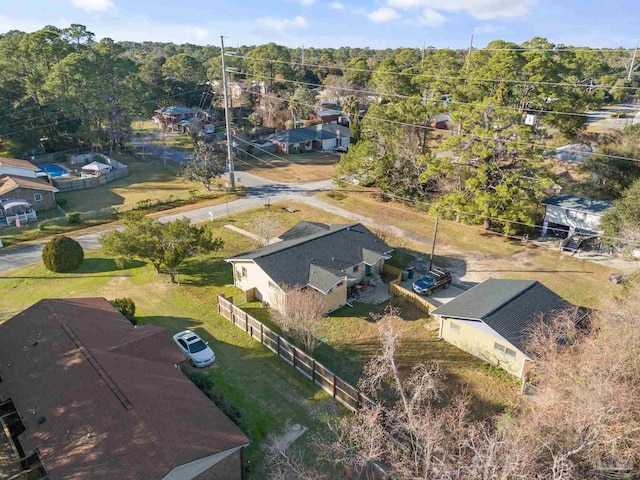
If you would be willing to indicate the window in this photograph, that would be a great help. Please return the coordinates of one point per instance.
(243, 272)
(37, 197)
(504, 350)
(182, 343)
(339, 284)
(355, 269)
(454, 327)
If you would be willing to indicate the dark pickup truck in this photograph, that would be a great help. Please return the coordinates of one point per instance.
(433, 281)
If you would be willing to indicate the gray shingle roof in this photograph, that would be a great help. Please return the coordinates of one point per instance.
(580, 204)
(291, 262)
(509, 307)
(323, 131)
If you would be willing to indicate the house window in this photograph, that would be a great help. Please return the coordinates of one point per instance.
(243, 272)
(339, 284)
(355, 269)
(37, 197)
(504, 350)
(454, 327)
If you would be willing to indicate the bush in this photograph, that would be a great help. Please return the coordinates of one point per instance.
(73, 217)
(126, 307)
(205, 383)
(62, 254)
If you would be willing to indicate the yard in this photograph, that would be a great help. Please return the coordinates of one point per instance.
(298, 167)
(474, 254)
(145, 182)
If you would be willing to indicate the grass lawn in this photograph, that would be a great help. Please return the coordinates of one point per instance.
(299, 167)
(268, 393)
(353, 339)
(476, 254)
(145, 181)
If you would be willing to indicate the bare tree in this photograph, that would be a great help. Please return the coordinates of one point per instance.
(266, 228)
(299, 311)
(285, 463)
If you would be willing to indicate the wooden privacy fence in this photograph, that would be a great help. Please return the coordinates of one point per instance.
(91, 182)
(345, 393)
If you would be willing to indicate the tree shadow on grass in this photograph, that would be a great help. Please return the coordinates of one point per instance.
(96, 265)
(172, 324)
(206, 271)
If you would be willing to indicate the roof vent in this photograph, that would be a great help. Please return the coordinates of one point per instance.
(41, 420)
(35, 343)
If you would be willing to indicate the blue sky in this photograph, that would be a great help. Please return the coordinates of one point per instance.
(334, 23)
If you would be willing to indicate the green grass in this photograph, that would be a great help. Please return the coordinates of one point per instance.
(266, 391)
(481, 254)
(352, 335)
(145, 181)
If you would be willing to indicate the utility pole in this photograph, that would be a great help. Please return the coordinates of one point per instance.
(466, 61)
(302, 54)
(422, 52)
(232, 178)
(433, 245)
(633, 61)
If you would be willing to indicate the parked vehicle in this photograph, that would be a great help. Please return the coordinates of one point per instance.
(433, 281)
(196, 349)
(340, 150)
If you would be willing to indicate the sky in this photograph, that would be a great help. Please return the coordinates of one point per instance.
(336, 23)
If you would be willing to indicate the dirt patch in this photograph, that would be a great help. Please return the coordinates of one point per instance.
(309, 167)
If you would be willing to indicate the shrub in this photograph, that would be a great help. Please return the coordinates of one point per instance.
(336, 195)
(62, 254)
(73, 217)
(126, 307)
(205, 383)
(42, 227)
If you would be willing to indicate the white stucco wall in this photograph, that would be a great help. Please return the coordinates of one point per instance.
(573, 218)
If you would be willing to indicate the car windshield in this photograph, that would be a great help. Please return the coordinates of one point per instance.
(197, 346)
(426, 279)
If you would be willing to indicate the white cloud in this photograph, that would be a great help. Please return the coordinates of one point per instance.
(431, 17)
(306, 3)
(93, 5)
(281, 24)
(480, 9)
(382, 15)
(336, 6)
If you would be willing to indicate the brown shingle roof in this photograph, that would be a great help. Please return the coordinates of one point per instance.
(115, 404)
(9, 183)
(14, 162)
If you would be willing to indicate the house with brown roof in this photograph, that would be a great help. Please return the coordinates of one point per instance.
(14, 166)
(39, 193)
(85, 394)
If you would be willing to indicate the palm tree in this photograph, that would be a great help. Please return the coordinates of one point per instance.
(295, 108)
(351, 107)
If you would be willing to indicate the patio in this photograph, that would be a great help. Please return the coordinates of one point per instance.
(16, 210)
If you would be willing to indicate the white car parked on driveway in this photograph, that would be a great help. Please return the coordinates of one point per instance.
(194, 348)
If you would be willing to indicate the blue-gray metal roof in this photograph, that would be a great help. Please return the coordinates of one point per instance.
(580, 204)
(291, 262)
(510, 307)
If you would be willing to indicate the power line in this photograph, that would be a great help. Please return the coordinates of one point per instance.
(447, 77)
(464, 134)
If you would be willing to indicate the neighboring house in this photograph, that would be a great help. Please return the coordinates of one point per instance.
(492, 320)
(326, 115)
(169, 116)
(440, 121)
(13, 166)
(85, 394)
(322, 137)
(327, 258)
(38, 193)
(573, 213)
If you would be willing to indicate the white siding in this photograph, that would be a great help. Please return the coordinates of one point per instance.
(573, 218)
(19, 171)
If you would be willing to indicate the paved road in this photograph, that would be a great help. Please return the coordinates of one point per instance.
(259, 192)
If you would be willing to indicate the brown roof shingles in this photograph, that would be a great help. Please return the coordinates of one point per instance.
(11, 182)
(89, 432)
(14, 162)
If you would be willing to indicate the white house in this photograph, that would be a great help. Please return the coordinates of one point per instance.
(21, 168)
(572, 213)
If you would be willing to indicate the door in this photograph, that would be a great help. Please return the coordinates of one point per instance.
(367, 269)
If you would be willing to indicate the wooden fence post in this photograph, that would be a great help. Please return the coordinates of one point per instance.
(294, 356)
(313, 370)
(278, 345)
(246, 322)
(334, 385)
(261, 333)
